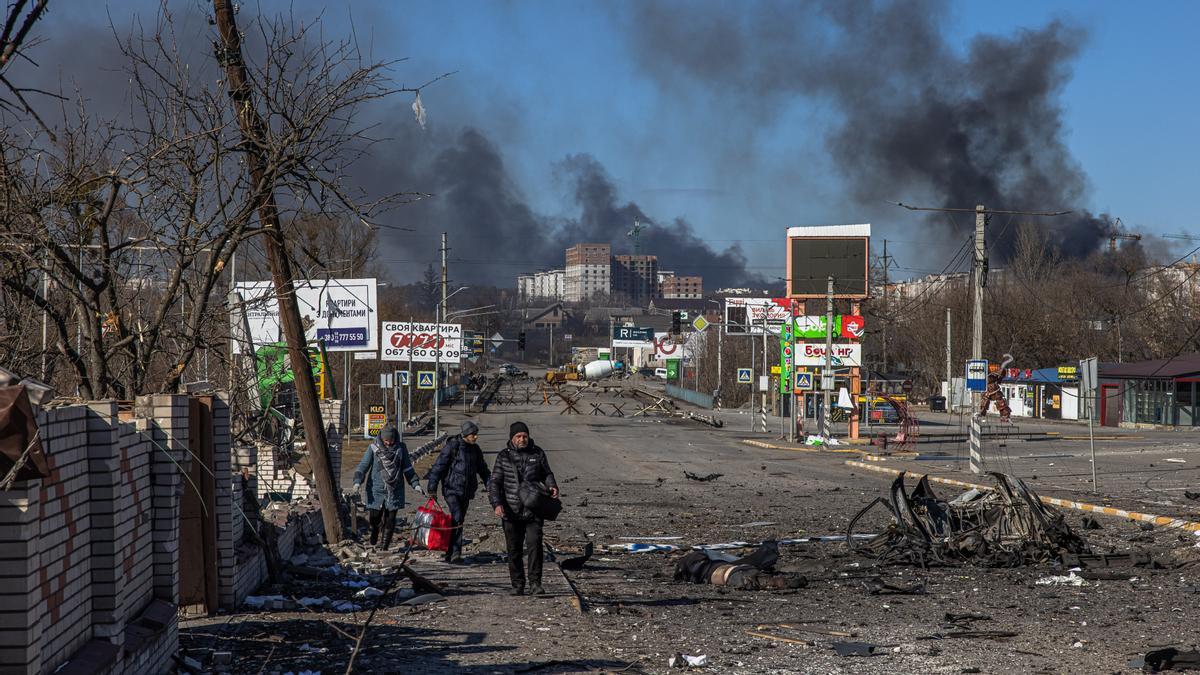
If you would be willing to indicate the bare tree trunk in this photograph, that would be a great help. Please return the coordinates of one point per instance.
(251, 124)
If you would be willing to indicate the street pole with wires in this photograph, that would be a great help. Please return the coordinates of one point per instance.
(949, 371)
(827, 373)
(978, 281)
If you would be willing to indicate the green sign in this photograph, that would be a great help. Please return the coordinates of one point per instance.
(672, 369)
(785, 358)
(814, 326)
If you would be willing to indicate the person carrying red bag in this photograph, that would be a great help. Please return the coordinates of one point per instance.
(459, 469)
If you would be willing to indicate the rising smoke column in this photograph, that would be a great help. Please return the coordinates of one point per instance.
(915, 120)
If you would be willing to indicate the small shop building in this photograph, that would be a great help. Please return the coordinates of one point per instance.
(1161, 392)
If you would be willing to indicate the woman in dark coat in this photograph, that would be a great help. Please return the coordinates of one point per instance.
(520, 461)
(458, 468)
(382, 466)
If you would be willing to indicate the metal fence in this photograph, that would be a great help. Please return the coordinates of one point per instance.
(693, 397)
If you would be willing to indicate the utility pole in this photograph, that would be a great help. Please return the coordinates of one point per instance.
(978, 281)
(437, 359)
(887, 317)
(979, 268)
(949, 381)
(827, 375)
(229, 56)
(765, 371)
(793, 430)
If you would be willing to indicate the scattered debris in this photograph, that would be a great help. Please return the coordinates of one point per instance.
(845, 649)
(640, 548)
(1090, 523)
(424, 599)
(754, 572)
(758, 523)
(877, 586)
(369, 592)
(309, 649)
(1004, 527)
(1169, 658)
(576, 562)
(688, 661)
(1071, 579)
(1175, 460)
(972, 634)
(1191, 495)
(702, 479)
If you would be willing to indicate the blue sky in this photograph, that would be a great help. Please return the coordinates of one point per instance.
(544, 80)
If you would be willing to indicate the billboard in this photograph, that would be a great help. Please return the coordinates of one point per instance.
(816, 253)
(814, 355)
(427, 342)
(628, 336)
(342, 312)
(746, 316)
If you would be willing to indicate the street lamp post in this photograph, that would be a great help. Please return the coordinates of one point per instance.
(439, 310)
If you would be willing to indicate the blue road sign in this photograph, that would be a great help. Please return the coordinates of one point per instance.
(744, 376)
(977, 374)
(804, 381)
(425, 379)
(402, 377)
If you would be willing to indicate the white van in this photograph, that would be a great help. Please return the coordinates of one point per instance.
(660, 373)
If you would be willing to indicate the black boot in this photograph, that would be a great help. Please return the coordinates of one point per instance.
(517, 590)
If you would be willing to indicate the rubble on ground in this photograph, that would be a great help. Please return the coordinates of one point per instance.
(1004, 527)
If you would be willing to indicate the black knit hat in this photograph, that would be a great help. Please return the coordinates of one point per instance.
(389, 434)
(516, 428)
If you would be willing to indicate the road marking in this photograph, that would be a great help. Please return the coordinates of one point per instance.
(1163, 521)
(802, 448)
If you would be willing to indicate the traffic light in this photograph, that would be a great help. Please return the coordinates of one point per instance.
(521, 341)
(675, 321)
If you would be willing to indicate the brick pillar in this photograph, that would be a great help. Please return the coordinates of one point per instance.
(170, 417)
(22, 615)
(227, 511)
(107, 549)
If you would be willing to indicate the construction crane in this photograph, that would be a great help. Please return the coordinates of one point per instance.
(1116, 234)
(636, 235)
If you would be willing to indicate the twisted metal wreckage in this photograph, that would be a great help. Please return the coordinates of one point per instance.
(1007, 526)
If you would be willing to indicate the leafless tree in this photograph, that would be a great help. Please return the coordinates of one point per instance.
(123, 231)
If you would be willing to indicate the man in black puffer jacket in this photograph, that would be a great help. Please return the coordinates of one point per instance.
(521, 461)
(459, 468)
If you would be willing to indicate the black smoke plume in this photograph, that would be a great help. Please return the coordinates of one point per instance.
(915, 120)
(493, 232)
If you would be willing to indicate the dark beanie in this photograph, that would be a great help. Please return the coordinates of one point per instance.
(469, 428)
(516, 428)
(389, 434)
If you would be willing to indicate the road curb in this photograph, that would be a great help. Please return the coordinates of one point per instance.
(1163, 521)
(822, 449)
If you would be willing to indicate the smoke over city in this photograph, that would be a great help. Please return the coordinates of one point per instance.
(914, 120)
(494, 233)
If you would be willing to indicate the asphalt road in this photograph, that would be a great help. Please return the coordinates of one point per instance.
(624, 477)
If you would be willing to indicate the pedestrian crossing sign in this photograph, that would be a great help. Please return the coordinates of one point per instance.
(402, 377)
(425, 379)
(804, 381)
(744, 376)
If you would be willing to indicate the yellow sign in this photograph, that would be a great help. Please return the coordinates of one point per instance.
(373, 424)
(776, 370)
(700, 323)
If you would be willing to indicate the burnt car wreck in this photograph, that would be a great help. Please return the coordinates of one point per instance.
(1007, 526)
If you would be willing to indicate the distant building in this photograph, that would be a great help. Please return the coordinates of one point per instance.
(635, 277)
(544, 317)
(588, 271)
(682, 288)
(545, 285)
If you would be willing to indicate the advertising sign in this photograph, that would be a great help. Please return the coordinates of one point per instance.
(427, 342)
(815, 253)
(814, 355)
(745, 316)
(629, 336)
(853, 327)
(1068, 373)
(342, 312)
(664, 348)
(373, 424)
(977, 370)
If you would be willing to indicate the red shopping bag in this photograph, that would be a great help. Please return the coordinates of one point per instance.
(433, 526)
